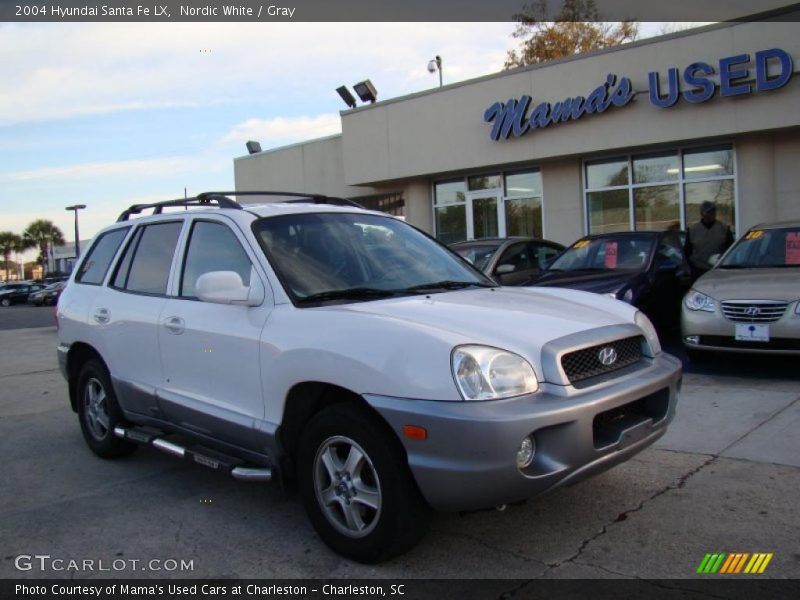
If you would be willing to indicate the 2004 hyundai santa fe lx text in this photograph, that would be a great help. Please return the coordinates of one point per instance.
(315, 340)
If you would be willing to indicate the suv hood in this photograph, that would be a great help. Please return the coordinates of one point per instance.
(751, 284)
(518, 319)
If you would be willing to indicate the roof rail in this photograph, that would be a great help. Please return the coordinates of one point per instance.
(296, 197)
(218, 200)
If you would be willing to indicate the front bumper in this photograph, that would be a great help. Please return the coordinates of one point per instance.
(718, 334)
(468, 460)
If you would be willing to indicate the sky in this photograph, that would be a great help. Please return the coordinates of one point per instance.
(110, 115)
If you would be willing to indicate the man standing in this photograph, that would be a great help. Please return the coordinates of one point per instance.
(706, 238)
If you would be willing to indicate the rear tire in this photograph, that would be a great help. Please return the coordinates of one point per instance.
(5, 302)
(99, 412)
(356, 486)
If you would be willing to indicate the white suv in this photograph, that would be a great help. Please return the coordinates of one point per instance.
(315, 340)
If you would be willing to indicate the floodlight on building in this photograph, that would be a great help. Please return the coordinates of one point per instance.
(345, 95)
(366, 91)
(434, 65)
(253, 147)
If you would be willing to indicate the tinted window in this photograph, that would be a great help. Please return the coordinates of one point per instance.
(478, 254)
(148, 259)
(95, 265)
(212, 247)
(544, 254)
(605, 253)
(517, 255)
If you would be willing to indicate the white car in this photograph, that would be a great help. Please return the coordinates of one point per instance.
(343, 347)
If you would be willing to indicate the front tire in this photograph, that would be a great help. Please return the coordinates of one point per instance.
(99, 412)
(356, 486)
(5, 302)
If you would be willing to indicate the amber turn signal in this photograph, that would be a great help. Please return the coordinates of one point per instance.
(415, 433)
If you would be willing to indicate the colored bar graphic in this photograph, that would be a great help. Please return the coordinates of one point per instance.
(703, 563)
(741, 562)
(765, 563)
(727, 564)
(718, 562)
(734, 563)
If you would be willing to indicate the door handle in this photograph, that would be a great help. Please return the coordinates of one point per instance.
(175, 325)
(102, 315)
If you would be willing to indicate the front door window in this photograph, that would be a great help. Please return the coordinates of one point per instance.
(485, 217)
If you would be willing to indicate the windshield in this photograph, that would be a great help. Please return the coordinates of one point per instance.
(765, 248)
(606, 254)
(350, 256)
(478, 254)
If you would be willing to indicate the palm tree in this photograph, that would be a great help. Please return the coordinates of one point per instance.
(22, 245)
(8, 243)
(43, 234)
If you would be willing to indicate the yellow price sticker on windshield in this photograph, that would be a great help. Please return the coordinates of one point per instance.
(580, 244)
(755, 234)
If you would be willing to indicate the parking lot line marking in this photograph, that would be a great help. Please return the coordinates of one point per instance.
(727, 564)
(740, 564)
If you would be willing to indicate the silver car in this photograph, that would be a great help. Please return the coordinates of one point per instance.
(750, 301)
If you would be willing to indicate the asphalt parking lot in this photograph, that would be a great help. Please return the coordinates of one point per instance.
(724, 479)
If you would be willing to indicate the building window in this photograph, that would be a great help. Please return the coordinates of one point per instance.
(659, 191)
(523, 204)
(391, 203)
(450, 207)
(489, 205)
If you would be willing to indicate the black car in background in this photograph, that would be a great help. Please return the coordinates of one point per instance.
(644, 268)
(14, 293)
(509, 261)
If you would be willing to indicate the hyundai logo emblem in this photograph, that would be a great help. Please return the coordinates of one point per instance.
(752, 311)
(607, 356)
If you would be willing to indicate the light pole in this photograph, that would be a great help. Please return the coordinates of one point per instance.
(75, 208)
(436, 65)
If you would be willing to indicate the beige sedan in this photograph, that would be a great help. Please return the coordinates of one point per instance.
(750, 301)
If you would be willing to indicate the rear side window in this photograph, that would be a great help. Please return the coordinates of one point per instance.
(147, 261)
(95, 266)
(212, 247)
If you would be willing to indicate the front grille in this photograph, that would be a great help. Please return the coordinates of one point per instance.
(586, 363)
(754, 311)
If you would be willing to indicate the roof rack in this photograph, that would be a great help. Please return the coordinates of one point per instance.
(296, 197)
(218, 200)
(223, 200)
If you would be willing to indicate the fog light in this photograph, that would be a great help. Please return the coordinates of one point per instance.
(525, 453)
(692, 339)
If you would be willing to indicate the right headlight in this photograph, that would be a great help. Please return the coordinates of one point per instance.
(695, 300)
(486, 373)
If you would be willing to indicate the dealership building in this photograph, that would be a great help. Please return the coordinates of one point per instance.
(630, 138)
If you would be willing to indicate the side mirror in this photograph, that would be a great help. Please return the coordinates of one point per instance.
(226, 287)
(505, 269)
(714, 259)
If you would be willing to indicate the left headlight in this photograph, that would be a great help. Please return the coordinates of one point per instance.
(649, 332)
(486, 373)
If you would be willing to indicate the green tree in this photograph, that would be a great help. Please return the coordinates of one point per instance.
(9, 242)
(575, 30)
(43, 234)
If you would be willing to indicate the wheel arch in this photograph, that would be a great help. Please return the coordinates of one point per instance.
(79, 354)
(305, 400)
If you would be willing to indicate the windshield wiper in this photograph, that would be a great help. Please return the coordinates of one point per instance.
(357, 293)
(444, 285)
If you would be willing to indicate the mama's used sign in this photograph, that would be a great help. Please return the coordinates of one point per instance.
(520, 116)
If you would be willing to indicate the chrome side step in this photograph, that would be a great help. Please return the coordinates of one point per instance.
(203, 456)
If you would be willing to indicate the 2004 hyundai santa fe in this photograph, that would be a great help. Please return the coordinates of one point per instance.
(315, 340)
